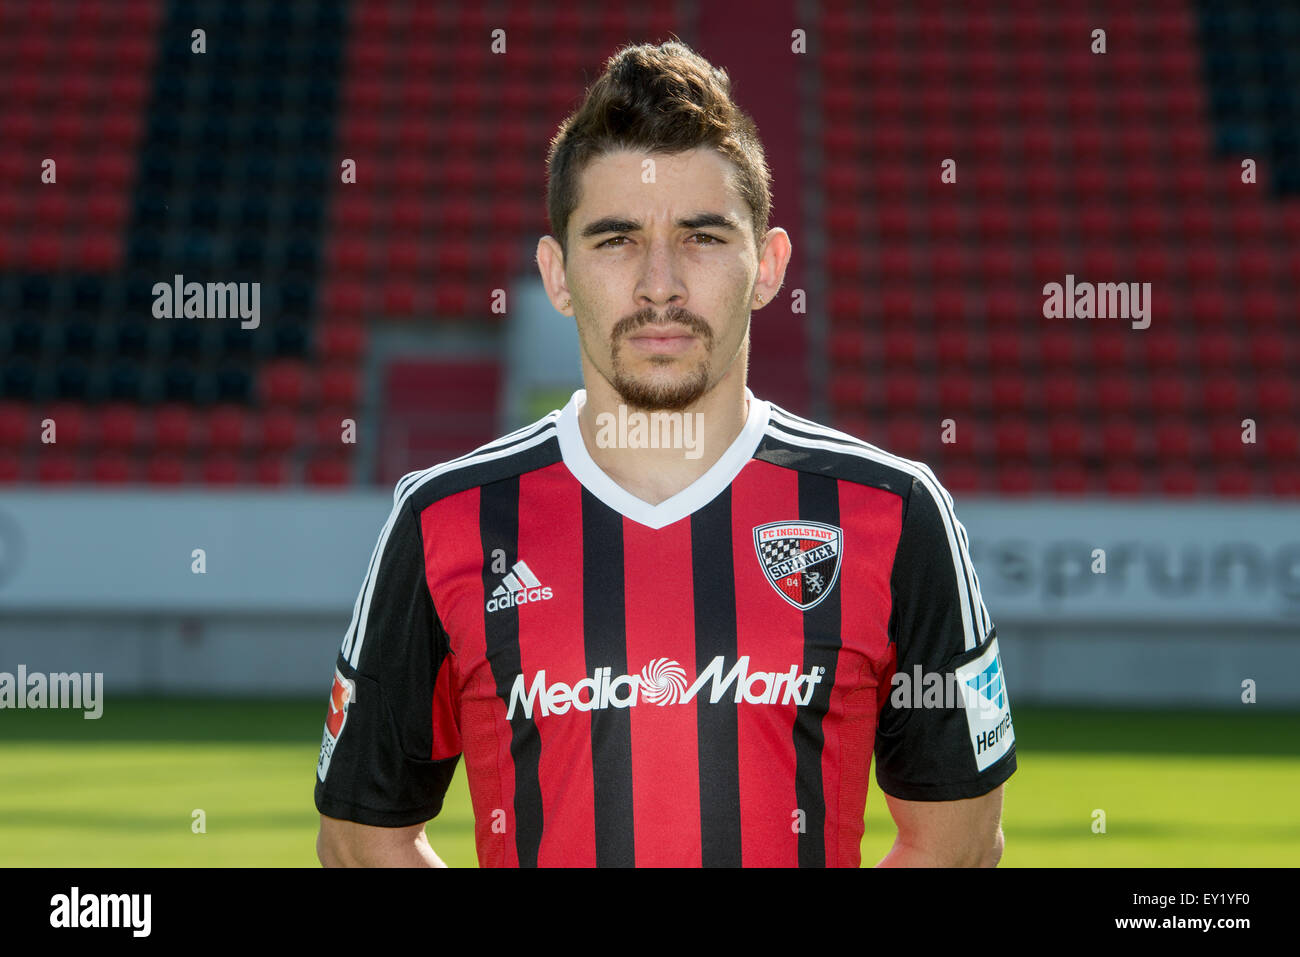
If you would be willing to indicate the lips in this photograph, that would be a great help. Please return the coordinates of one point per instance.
(663, 340)
(663, 332)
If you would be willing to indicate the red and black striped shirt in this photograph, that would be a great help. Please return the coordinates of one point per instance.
(698, 682)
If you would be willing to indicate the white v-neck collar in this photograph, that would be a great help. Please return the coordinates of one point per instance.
(695, 496)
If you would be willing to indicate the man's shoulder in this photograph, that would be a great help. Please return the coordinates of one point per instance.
(795, 442)
(532, 447)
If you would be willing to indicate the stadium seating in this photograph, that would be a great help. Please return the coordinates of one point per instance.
(1120, 168)
(226, 167)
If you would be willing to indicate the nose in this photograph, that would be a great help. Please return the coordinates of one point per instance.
(660, 284)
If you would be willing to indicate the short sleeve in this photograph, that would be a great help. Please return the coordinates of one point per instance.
(944, 731)
(392, 737)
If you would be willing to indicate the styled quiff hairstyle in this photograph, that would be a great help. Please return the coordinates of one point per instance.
(657, 99)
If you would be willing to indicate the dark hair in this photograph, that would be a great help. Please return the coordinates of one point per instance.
(659, 99)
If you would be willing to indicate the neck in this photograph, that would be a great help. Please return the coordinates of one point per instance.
(654, 455)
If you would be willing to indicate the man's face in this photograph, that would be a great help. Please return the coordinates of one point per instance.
(661, 274)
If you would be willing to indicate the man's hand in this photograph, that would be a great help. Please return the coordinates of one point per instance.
(965, 833)
(348, 844)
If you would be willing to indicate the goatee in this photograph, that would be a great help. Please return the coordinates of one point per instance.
(660, 396)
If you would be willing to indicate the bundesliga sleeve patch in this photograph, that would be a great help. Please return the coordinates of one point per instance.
(988, 711)
(342, 695)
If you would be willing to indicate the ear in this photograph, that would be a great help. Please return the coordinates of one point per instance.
(550, 263)
(773, 258)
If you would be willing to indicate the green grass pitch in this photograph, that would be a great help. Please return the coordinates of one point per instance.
(1177, 788)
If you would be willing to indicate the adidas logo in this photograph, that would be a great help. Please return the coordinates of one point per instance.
(519, 587)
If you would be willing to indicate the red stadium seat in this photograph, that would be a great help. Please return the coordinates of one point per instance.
(222, 470)
(227, 428)
(1175, 440)
(1205, 261)
(1120, 440)
(1226, 441)
(849, 347)
(1013, 440)
(1059, 348)
(910, 436)
(1284, 481)
(1065, 440)
(1163, 351)
(285, 382)
(1069, 479)
(70, 424)
(1179, 479)
(120, 426)
(1011, 392)
(1121, 478)
(342, 341)
(340, 385)
(949, 307)
(18, 424)
(957, 393)
(352, 255)
(902, 391)
(272, 470)
(277, 430)
(345, 299)
(903, 347)
(174, 427)
(331, 471)
(1281, 440)
(1115, 393)
(1006, 349)
(848, 391)
(1062, 392)
(1234, 481)
(165, 469)
(1015, 478)
(56, 467)
(329, 428)
(953, 349)
(1169, 393)
(1216, 350)
(960, 477)
(1276, 394)
(113, 468)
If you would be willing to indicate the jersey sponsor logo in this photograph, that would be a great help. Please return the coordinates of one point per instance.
(342, 695)
(520, 587)
(988, 710)
(662, 682)
(800, 559)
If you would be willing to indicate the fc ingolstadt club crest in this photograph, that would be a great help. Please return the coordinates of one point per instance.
(800, 559)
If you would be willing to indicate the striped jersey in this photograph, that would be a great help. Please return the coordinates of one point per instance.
(701, 682)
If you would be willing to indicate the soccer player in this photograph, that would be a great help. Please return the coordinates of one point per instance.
(662, 625)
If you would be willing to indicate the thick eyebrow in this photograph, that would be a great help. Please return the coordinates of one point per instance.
(617, 224)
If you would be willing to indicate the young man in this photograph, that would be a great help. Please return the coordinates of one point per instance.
(662, 625)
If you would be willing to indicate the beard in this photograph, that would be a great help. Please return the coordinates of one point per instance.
(652, 393)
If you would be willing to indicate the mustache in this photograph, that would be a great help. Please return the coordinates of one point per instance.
(673, 314)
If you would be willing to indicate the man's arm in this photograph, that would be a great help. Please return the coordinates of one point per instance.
(966, 833)
(384, 765)
(348, 844)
